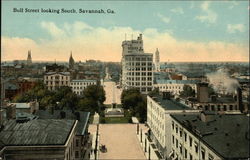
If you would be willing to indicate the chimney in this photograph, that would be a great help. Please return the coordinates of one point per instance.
(239, 99)
(202, 92)
(11, 111)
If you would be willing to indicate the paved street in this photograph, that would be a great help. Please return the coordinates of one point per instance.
(120, 140)
(113, 94)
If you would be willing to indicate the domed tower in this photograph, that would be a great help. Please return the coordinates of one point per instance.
(71, 61)
(29, 60)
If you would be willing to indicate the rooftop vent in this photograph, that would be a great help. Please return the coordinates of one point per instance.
(226, 134)
(215, 129)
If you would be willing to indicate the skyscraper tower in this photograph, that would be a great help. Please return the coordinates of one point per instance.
(137, 66)
(29, 60)
(157, 60)
(71, 61)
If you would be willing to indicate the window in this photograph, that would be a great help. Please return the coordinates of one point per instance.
(212, 107)
(77, 143)
(196, 147)
(190, 157)
(176, 143)
(172, 125)
(173, 139)
(76, 154)
(180, 133)
(231, 107)
(185, 136)
(210, 157)
(176, 129)
(185, 153)
(202, 153)
(190, 141)
(224, 107)
(180, 148)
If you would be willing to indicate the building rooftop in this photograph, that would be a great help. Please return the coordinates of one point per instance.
(169, 104)
(63, 73)
(83, 80)
(82, 120)
(168, 81)
(36, 132)
(228, 135)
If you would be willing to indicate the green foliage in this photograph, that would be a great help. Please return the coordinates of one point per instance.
(133, 100)
(63, 97)
(95, 92)
(187, 91)
(93, 98)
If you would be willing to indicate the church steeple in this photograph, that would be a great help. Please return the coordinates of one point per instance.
(71, 61)
(29, 59)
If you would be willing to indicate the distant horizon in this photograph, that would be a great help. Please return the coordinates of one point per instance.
(120, 61)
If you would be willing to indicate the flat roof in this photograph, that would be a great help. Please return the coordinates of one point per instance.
(168, 81)
(228, 135)
(169, 104)
(83, 80)
(82, 122)
(36, 132)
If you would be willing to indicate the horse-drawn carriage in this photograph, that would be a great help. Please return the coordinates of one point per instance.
(103, 148)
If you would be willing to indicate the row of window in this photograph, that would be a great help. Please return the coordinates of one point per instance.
(139, 84)
(138, 59)
(82, 83)
(56, 83)
(139, 78)
(139, 73)
(57, 77)
(181, 133)
(138, 64)
(220, 107)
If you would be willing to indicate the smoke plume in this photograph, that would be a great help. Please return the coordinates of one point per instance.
(222, 82)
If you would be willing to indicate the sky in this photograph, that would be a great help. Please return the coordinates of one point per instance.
(196, 31)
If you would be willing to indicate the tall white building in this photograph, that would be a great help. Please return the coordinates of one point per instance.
(137, 66)
(157, 60)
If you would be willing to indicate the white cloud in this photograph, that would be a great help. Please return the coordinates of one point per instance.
(233, 28)
(88, 42)
(164, 18)
(177, 10)
(52, 29)
(208, 15)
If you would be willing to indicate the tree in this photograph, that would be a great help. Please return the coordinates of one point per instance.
(95, 92)
(187, 91)
(133, 100)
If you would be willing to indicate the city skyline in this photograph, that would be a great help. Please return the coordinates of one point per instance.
(182, 31)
